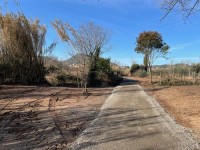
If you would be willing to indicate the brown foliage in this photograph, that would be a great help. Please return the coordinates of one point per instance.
(22, 48)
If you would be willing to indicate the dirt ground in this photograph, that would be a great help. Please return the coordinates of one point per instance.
(46, 117)
(181, 102)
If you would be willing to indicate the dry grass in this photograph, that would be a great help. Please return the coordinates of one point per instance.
(181, 102)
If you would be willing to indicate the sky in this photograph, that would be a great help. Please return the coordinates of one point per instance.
(125, 19)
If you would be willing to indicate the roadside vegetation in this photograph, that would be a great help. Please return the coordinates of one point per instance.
(175, 86)
(22, 49)
(151, 44)
(25, 57)
(181, 74)
(43, 99)
(53, 114)
(181, 102)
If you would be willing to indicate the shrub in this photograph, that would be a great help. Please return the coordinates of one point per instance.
(51, 69)
(134, 68)
(175, 82)
(103, 69)
(52, 80)
(23, 48)
(99, 72)
(196, 68)
(115, 80)
(65, 78)
(62, 77)
(142, 73)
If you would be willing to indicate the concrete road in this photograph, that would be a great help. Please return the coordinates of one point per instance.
(132, 120)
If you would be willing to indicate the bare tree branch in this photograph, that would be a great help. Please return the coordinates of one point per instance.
(187, 7)
(83, 43)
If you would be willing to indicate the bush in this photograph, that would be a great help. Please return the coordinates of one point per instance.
(62, 79)
(134, 68)
(52, 80)
(142, 73)
(196, 68)
(22, 49)
(175, 82)
(51, 69)
(99, 71)
(115, 80)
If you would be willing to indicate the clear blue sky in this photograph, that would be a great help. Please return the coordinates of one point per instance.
(126, 19)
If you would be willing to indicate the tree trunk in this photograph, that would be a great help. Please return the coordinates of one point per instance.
(85, 88)
(150, 71)
(146, 62)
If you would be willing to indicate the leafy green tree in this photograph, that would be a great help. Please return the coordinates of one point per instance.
(134, 68)
(104, 69)
(93, 67)
(152, 46)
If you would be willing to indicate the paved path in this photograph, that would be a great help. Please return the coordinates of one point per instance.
(132, 120)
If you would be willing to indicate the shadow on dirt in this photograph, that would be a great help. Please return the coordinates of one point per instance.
(44, 118)
(50, 128)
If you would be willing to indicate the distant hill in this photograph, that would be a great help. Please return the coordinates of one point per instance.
(75, 60)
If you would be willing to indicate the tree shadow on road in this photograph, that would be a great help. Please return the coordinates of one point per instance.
(118, 124)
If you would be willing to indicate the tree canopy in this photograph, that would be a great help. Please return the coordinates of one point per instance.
(150, 41)
(151, 44)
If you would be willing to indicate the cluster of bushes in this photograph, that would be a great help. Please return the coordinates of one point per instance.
(115, 79)
(138, 70)
(62, 79)
(196, 68)
(102, 72)
(100, 75)
(99, 71)
(175, 82)
(23, 55)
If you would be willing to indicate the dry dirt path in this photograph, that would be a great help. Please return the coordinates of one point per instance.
(46, 118)
(131, 119)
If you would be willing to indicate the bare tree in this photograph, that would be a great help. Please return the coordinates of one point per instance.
(187, 7)
(88, 42)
